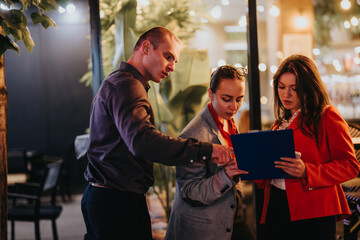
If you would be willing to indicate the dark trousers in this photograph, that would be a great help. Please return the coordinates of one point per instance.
(278, 225)
(111, 214)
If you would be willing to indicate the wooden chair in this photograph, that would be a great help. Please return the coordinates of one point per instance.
(352, 193)
(28, 201)
(355, 133)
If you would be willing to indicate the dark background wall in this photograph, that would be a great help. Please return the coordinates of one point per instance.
(47, 106)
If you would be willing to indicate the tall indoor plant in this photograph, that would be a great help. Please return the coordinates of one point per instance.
(13, 28)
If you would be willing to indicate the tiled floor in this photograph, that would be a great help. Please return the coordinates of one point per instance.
(71, 226)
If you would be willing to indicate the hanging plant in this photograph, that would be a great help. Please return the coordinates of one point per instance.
(329, 14)
(14, 21)
(181, 16)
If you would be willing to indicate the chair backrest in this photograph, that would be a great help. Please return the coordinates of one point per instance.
(355, 132)
(16, 161)
(52, 175)
(46, 171)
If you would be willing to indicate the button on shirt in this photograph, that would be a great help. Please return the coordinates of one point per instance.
(123, 140)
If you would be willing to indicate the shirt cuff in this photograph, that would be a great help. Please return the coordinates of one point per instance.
(205, 151)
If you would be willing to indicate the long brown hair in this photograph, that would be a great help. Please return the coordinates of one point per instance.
(310, 90)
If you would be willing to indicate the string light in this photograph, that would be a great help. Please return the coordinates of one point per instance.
(221, 62)
(345, 4)
(216, 12)
(262, 9)
(347, 24)
(274, 11)
(225, 2)
(262, 67)
(316, 51)
(143, 3)
(70, 8)
(273, 68)
(62, 10)
(301, 22)
(242, 21)
(263, 100)
(354, 21)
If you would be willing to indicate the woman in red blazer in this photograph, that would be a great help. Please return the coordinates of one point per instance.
(307, 206)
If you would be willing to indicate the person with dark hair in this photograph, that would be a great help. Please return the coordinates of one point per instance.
(308, 205)
(208, 198)
(124, 143)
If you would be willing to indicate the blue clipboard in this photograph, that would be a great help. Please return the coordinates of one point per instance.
(256, 152)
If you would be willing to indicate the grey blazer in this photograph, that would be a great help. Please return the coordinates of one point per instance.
(204, 204)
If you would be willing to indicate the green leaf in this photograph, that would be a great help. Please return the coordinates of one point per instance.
(161, 112)
(124, 36)
(192, 69)
(6, 43)
(13, 18)
(16, 34)
(43, 19)
(36, 17)
(27, 3)
(26, 38)
(186, 104)
(47, 5)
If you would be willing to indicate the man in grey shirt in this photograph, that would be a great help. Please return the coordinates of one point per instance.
(124, 143)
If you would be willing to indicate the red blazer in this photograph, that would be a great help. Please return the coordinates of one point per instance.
(334, 162)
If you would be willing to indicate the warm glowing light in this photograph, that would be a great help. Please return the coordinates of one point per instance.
(316, 51)
(345, 4)
(221, 62)
(347, 24)
(216, 12)
(203, 20)
(171, 10)
(301, 22)
(354, 21)
(337, 65)
(273, 68)
(143, 3)
(102, 14)
(357, 60)
(238, 65)
(4, 7)
(260, 8)
(274, 11)
(70, 8)
(62, 10)
(242, 21)
(225, 2)
(262, 67)
(264, 100)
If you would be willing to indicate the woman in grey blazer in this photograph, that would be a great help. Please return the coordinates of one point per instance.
(207, 202)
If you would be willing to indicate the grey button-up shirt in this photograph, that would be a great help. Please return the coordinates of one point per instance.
(123, 140)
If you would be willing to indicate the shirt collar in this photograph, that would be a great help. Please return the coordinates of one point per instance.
(218, 123)
(136, 73)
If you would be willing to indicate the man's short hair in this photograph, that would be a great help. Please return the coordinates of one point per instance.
(155, 36)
